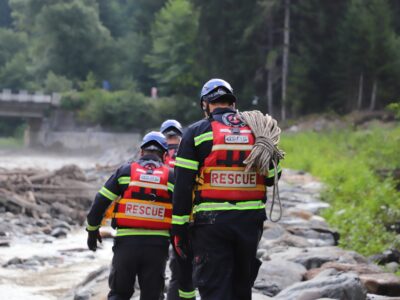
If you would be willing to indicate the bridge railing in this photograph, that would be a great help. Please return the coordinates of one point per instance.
(24, 96)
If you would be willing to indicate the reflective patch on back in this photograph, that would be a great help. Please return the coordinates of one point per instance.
(148, 211)
(233, 179)
(150, 178)
(236, 139)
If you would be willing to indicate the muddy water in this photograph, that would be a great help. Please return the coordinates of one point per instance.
(70, 264)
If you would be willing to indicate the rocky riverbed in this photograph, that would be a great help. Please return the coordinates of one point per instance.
(300, 257)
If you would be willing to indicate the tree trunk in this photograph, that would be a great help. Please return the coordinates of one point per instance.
(285, 64)
(360, 92)
(373, 95)
(270, 24)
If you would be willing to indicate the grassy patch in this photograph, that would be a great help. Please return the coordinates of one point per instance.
(11, 142)
(362, 204)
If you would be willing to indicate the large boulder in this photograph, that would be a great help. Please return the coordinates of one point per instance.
(315, 257)
(346, 286)
(277, 275)
(343, 267)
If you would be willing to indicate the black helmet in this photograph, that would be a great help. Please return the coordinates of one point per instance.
(217, 89)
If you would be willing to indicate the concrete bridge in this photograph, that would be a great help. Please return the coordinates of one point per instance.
(31, 107)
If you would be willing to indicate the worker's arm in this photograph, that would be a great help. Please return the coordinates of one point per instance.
(112, 189)
(186, 168)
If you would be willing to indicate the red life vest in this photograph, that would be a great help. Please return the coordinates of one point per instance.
(223, 173)
(146, 202)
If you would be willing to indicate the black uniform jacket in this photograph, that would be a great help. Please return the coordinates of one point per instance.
(115, 188)
(193, 150)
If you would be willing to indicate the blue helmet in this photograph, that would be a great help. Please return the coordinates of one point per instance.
(154, 140)
(171, 127)
(217, 89)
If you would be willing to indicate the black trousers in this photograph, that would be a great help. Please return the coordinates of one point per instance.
(147, 262)
(181, 277)
(225, 264)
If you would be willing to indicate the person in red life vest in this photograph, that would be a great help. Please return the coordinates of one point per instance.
(229, 204)
(181, 284)
(142, 191)
(172, 130)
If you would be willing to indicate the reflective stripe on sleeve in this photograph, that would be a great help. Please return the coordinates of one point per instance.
(246, 205)
(137, 231)
(92, 228)
(208, 136)
(187, 295)
(271, 172)
(180, 220)
(186, 163)
(124, 180)
(171, 187)
(108, 194)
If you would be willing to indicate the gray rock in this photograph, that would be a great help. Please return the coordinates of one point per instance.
(276, 275)
(62, 224)
(288, 240)
(273, 231)
(341, 286)
(59, 232)
(392, 267)
(315, 257)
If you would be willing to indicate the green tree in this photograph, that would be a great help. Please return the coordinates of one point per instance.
(368, 51)
(5, 14)
(72, 41)
(172, 56)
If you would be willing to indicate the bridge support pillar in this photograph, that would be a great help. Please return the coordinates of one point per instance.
(31, 135)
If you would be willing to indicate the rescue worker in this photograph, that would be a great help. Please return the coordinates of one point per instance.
(181, 284)
(229, 204)
(172, 130)
(143, 193)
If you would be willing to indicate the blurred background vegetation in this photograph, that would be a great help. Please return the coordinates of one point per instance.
(339, 56)
(343, 54)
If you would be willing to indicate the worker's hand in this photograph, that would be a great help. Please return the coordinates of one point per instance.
(93, 237)
(181, 246)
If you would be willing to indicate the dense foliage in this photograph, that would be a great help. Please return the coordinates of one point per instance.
(343, 53)
(364, 205)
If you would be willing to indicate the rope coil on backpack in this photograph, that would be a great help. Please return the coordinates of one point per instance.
(265, 150)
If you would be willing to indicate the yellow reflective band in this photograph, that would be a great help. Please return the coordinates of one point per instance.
(124, 180)
(136, 231)
(207, 186)
(180, 220)
(92, 228)
(187, 295)
(186, 163)
(271, 173)
(108, 194)
(124, 216)
(211, 206)
(208, 136)
(232, 147)
(171, 186)
(149, 185)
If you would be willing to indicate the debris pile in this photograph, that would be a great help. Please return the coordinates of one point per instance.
(48, 200)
